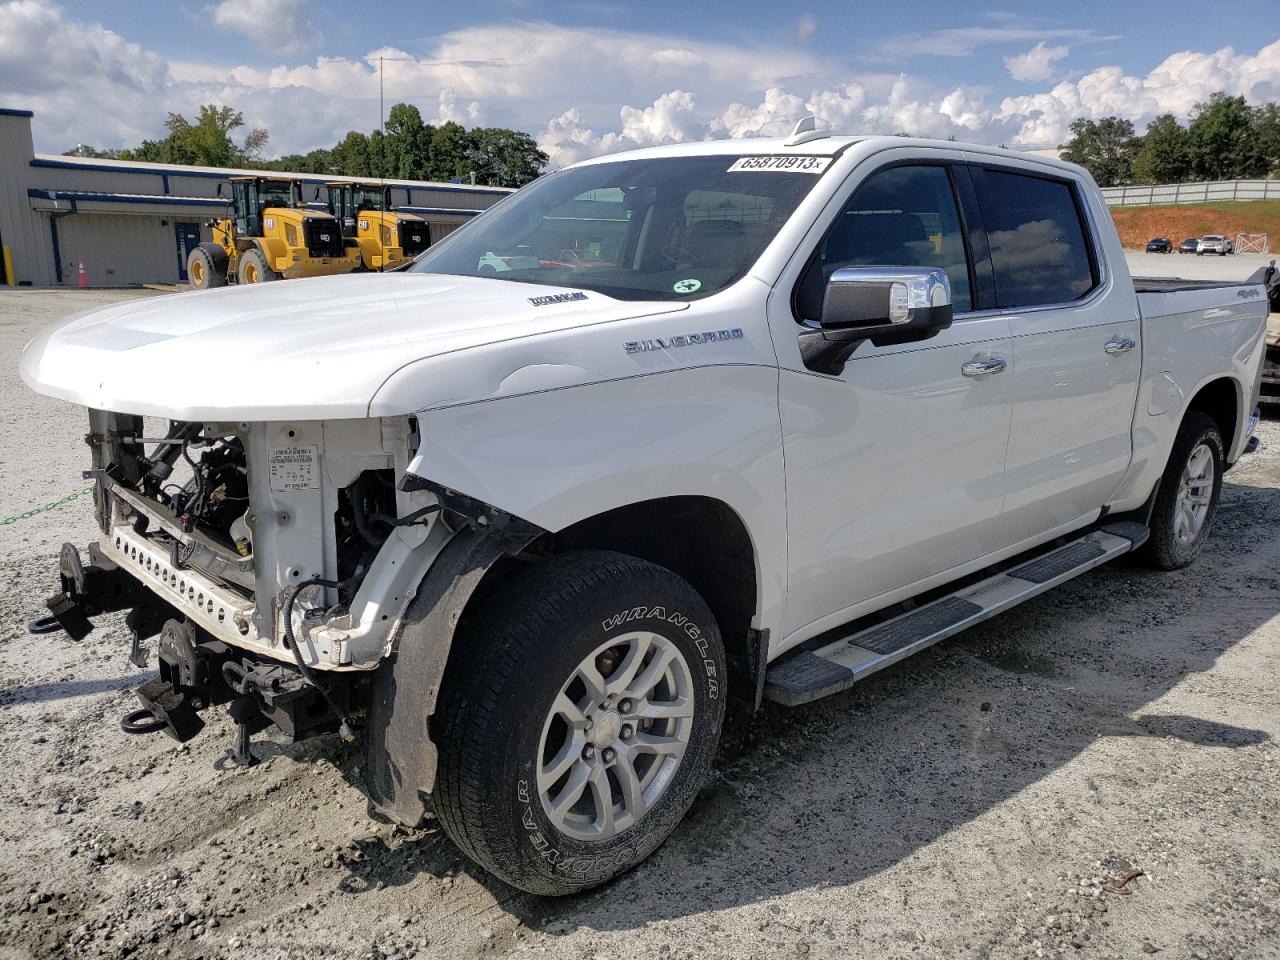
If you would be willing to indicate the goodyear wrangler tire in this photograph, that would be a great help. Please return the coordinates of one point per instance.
(577, 721)
(1188, 495)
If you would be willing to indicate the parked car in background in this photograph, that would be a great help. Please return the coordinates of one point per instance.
(1189, 245)
(1159, 245)
(1214, 243)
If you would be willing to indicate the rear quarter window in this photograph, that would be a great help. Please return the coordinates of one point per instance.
(1040, 251)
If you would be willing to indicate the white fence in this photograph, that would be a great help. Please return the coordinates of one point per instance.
(1207, 192)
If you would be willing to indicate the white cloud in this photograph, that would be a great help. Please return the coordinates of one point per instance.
(282, 25)
(450, 110)
(1174, 86)
(840, 107)
(773, 116)
(965, 41)
(668, 120)
(566, 139)
(88, 83)
(1036, 64)
(805, 27)
(583, 90)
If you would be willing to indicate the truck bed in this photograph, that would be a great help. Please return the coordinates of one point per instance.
(1178, 284)
(1165, 296)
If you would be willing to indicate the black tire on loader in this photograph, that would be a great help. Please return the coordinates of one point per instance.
(253, 268)
(207, 267)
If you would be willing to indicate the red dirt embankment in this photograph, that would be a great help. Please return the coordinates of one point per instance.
(1137, 225)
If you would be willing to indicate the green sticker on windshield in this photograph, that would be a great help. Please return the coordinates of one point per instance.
(687, 286)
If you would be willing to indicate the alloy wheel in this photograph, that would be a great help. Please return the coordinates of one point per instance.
(615, 736)
(1195, 491)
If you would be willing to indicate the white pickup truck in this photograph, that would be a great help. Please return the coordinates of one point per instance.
(810, 405)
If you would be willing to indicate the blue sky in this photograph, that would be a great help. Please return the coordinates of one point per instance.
(589, 77)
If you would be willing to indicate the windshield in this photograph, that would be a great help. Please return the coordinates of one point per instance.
(667, 229)
(275, 193)
(368, 198)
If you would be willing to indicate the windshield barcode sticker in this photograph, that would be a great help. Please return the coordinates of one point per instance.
(780, 164)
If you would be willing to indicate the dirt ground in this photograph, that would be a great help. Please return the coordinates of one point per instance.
(1137, 225)
(987, 798)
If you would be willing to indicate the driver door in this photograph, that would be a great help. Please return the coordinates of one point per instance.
(895, 467)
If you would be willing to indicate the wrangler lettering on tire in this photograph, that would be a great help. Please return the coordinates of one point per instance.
(575, 732)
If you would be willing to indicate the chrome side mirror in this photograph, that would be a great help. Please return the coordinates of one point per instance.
(885, 305)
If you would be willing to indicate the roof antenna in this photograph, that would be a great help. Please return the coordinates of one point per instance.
(805, 130)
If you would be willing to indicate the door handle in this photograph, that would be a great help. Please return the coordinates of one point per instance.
(981, 368)
(1119, 345)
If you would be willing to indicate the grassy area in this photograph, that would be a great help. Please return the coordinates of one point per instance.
(1137, 225)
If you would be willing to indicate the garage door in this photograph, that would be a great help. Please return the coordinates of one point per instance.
(118, 251)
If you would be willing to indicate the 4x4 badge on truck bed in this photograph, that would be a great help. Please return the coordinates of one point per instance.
(687, 340)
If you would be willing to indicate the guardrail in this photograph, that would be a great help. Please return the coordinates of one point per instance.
(1211, 191)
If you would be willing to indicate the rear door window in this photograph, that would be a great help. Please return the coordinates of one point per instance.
(1040, 251)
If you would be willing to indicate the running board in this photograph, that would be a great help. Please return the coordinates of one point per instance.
(811, 675)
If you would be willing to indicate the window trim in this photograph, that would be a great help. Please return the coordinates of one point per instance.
(1097, 273)
(950, 167)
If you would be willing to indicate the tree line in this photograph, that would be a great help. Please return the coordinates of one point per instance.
(409, 149)
(1224, 139)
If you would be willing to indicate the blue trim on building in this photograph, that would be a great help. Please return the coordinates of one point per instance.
(122, 168)
(72, 164)
(40, 193)
(164, 178)
(57, 254)
(11, 112)
(440, 210)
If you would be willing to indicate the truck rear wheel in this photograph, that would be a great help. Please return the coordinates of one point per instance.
(205, 268)
(253, 268)
(578, 719)
(1188, 494)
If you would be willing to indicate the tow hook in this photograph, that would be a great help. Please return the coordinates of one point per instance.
(142, 721)
(189, 682)
(87, 591)
(169, 710)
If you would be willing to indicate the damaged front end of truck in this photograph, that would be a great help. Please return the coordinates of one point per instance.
(273, 567)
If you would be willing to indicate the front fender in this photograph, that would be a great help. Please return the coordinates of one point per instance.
(561, 456)
(400, 760)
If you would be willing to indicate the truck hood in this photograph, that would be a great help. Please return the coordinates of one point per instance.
(294, 349)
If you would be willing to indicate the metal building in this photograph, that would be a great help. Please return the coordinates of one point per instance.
(131, 223)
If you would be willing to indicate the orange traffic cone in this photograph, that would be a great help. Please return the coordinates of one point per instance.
(83, 279)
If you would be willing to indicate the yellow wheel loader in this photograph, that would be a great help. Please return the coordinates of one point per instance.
(269, 235)
(385, 237)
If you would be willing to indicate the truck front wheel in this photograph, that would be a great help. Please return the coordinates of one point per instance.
(1187, 497)
(577, 721)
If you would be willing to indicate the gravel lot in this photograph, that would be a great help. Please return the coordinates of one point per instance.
(1238, 266)
(987, 798)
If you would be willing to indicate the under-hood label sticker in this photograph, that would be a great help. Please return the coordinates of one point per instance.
(295, 468)
(793, 164)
